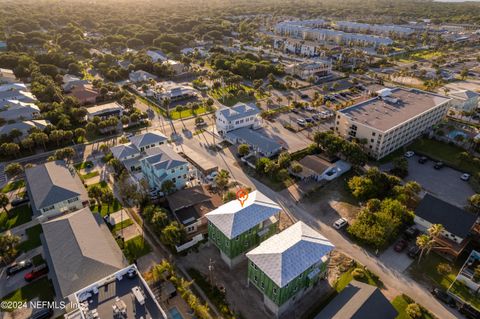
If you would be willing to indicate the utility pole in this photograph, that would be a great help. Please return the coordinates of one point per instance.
(210, 271)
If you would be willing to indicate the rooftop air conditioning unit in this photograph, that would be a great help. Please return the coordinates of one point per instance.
(384, 92)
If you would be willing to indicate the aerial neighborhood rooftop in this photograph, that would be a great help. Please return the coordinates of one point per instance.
(240, 159)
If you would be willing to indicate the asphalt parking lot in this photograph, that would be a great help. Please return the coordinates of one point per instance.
(444, 183)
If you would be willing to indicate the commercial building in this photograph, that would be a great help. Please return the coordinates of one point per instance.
(235, 228)
(54, 189)
(285, 266)
(392, 119)
(235, 117)
(305, 70)
(161, 164)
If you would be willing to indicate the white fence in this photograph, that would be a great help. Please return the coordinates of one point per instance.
(196, 239)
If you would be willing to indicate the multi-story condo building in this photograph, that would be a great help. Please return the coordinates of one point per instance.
(299, 47)
(161, 164)
(392, 119)
(316, 69)
(374, 28)
(54, 189)
(285, 266)
(235, 228)
(238, 116)
(296, 30)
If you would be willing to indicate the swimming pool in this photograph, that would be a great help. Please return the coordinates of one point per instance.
(174, 313)
(455, 133)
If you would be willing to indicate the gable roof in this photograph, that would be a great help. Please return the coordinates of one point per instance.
(258, 141)
(24, 126)
(51, 183)
(148, 138)
(239, 110)
(188, 197)
(124, 150)
(233, 219)
(163, 157)
(80, 250)
(284, 256)
(455, 219)
(359, 301)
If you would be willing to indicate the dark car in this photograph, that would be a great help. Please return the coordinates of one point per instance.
(304, 96)
(438, 165)
(43, 313)
(400, 245)
(309, 120)
(19, 201)
(423, 160)
(411, 232)
(36, 272)
(444, 297)
(469, 311)
(413, 252)
(18, 267)
(295, 111)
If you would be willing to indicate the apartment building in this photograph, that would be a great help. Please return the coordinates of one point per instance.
(316, 69)
(392, 119)
(374, 28)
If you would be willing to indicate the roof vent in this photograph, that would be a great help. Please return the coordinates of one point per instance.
(384, 92)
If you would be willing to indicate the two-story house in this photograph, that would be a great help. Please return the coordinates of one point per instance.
(235, 117)
(54, 189)
(285, 266)
(161, 164)
(235, 228)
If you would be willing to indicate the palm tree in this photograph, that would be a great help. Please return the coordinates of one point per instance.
(4, 202)
(426, 242)
(166, 105)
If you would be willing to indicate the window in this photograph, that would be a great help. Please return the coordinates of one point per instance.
(71, 200)
(373, 133)
(255, 278)
(172, 171)
(274, 291)
(262, 285)
(46, 209)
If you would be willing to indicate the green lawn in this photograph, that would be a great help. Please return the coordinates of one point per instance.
(122, 225)
(83, 165)
(13, 186)
(41, 288)
(400, 303)
(107, 209)
(136, 248)
(174, 115)
(370, 278)
(222, 91)
(426, 270)
(33, 238)
(102, 184)
(89, 175)
(18, 216)
(466, 294)
(444, 152)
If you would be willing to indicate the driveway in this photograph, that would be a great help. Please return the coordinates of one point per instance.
(396, 260)
(444, 183)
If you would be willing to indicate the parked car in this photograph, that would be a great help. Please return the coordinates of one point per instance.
(469, 311)
(340, 223)
(411, 232)
(444, 297)
(295, 111)
(400, 245)
(36, 272)
(409, 154)
(309, 109)
(19, 201)
(465, 177)
(413, 252)
(18, 267)
(423, 160)
(309, 120)
(43, 313)
(438, 165)
(316, 117)
(301, 122)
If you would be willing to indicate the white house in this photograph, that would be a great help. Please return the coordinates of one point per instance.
(141, 76)
(104, 111)
(238, 116)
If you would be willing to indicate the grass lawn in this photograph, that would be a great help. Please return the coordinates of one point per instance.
(426, 270)
(89, 175)
(466, 294)
(122, 225)
(174, 115)
(370, 278)
(136, 248)
(83, 165)
(102, 184)
(444, 152)
(13, 186)
(400, 303)
(107, 209)
(268, 180)
(41, 288)
(33, 239)
(18, 216)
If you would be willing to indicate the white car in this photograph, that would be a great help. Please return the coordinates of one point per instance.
(301, 122)
(409, 154)
(340, 223)
(465, 177)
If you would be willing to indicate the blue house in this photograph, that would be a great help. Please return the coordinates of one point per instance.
(162, 163)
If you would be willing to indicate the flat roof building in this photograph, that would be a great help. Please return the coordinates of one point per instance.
(392, 119)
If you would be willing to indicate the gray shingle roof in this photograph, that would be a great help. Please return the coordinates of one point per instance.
(148, 138)
(239, 110)
(258, 141)
(359, 301)
(455, 219)
(81, 250)
(283, 257)
(234, 219)
(163, 157)
(24, 126)
(51, 183)
(124, 150)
